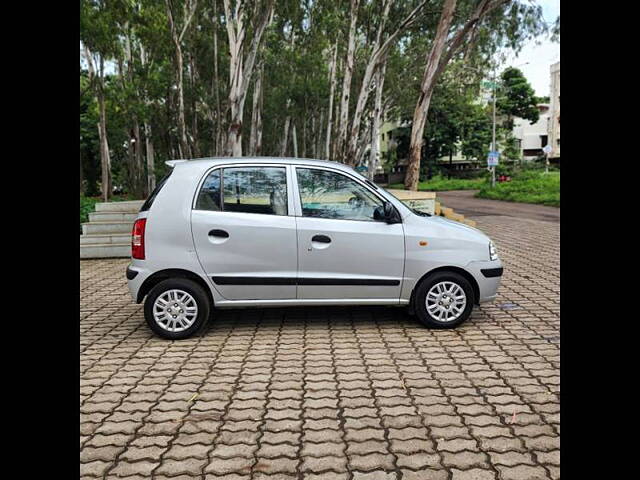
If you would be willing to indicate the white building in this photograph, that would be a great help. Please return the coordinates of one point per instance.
(554, 111)
(532, 138)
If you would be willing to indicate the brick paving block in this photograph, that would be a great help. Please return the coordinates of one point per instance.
(465, 460)
(473, 474)
(549, 458)
(419, 460)
(522, 472)
(183, 466)
(94, 469)
(371, 461)
(320, 464)
(223, 450)
(374, 476)
(268, 450)
(125, 469)
(351, 377)
(425, 474)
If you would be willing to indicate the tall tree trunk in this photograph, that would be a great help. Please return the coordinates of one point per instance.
(215, 85)
(295, 141)
(97, 79)
(422, 107)
(177, 36)
(437, 61)
(255, 141)
(375, 128)
(346, 83)
(285, 136)
(241, 66)
(151, 174)
(332, 75)
(376, 58)
(81, 176)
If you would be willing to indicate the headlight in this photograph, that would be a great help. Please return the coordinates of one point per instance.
(493, 252)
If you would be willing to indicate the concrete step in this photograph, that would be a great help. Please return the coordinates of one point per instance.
(105, 250)
(112, 217)
(105, 238)
(102, 228)
(132, 206)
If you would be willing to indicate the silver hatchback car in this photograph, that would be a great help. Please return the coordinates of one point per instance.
(258, 232)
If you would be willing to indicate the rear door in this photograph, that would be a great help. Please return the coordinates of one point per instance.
(343, 253)
(244, 232)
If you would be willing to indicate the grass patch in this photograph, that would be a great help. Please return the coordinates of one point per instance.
(533, 186)
(442, 184)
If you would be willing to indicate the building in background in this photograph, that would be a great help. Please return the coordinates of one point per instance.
(554, 111)
(532, 138)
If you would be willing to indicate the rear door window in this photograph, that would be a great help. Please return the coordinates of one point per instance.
(246, 190)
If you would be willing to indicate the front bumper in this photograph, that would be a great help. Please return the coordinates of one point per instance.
(488, 276)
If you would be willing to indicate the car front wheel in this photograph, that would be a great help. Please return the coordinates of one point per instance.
(176, 308)
(443, 300)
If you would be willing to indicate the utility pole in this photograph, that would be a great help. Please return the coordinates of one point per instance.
(493, 142)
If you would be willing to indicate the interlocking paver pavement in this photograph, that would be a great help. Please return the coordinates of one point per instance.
(329, 393)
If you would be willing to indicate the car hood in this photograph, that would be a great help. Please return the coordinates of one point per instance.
(458, 227)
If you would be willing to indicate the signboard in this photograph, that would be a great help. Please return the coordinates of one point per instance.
(492, 159)
(547, 149)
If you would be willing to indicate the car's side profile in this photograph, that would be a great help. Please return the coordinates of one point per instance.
(240, 232)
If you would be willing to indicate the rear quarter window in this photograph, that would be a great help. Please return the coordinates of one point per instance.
(147, 204)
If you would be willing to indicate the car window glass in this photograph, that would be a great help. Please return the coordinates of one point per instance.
(209, 196)
(326, 194)
(255, 190)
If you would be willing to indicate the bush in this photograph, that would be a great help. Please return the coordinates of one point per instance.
(439, 183)
(527, 186)
(87, 205)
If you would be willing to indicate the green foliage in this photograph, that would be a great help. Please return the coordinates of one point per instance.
(516, 97)
(530, 186)
(439, 184)
(133, 40)
(87, 205)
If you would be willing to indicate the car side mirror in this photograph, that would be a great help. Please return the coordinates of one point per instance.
(386, 213)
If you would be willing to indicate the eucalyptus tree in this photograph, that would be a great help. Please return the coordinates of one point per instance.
(98, 45)
(465, 29)
(242, 17)
(179, 21)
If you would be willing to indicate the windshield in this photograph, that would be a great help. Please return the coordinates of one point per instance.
(378, 187)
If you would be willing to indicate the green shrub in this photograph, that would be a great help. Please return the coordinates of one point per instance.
(439, 183)
(528, 186)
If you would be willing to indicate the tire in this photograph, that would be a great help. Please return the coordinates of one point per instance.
(443, 284)
(182, 325)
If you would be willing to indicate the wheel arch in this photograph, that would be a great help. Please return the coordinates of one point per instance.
(161, 275)
(461, 271)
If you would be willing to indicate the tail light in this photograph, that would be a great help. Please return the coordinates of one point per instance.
(137, 239)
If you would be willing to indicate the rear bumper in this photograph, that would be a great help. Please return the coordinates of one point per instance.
(136, 275)
(488, 275)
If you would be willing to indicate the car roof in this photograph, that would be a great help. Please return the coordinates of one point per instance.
(242, 160)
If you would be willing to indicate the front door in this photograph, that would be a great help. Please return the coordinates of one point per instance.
(343, 253)
(243, 233)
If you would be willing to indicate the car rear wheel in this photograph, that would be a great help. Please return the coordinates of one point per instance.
(176, 308)
(443, 300)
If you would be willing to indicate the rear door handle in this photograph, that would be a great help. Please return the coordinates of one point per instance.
(321, 239)
(219, 233)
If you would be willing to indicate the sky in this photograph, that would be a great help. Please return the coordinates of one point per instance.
(540, 57)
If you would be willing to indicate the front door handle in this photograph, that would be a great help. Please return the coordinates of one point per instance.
(219, 233)
(321, 239)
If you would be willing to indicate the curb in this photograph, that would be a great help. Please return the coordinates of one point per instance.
(451, 215)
